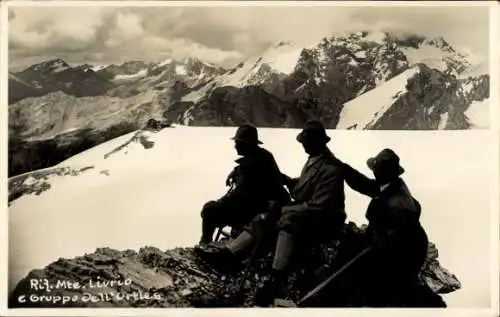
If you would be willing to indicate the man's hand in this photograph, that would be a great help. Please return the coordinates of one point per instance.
(287, 216)
(261, 217)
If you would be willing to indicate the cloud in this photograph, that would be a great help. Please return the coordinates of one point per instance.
(219, 34)
(40, 30)
(127, 28)
(460, 26)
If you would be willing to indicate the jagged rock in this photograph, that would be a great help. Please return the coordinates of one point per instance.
(156, 125)
(177, 278)
(231, 106)
(439, 279)
(36, 182)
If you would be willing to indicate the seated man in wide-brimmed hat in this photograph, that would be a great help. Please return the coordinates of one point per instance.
(394, 231)
(256, 183)
(316, 213)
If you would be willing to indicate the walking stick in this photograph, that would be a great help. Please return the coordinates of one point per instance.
(322, 285)
(217, 235)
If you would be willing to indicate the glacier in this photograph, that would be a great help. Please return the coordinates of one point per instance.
(141, 196)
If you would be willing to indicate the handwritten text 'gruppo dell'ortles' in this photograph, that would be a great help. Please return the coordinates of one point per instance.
(94, 291)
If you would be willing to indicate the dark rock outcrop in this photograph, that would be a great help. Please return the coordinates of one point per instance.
(156, 125)
(19, 89)
(27, 156)
(231, 106)
(177, 278)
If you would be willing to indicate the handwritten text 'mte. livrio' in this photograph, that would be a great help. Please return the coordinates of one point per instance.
(46, 285)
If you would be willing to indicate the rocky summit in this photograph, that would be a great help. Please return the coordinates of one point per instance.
(177, 278)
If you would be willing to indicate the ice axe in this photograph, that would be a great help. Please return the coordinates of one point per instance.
(322, 285)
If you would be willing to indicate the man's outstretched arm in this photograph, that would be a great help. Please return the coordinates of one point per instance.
(359, 182)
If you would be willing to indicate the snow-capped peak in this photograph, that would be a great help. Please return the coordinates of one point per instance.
(281, 57)
(278, 60)
(164, 62)
(437, 53)
(98, 67)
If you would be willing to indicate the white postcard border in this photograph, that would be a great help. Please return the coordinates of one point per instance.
(263, 312)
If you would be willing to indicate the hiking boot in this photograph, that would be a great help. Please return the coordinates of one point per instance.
(204, 242)
(221, 260)
(273, 288)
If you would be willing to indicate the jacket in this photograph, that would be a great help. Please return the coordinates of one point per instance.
(320, 188)
(394, 222)
(391, 209)
(256, 180)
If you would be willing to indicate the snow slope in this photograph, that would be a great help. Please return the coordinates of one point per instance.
(282, 57)
(478, 114)
(430, 55)
(366, 109)
(138, 196)
(97, 68)
(140, 74)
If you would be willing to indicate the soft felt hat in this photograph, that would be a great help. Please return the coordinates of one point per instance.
(386, 161)
(313, 130)
(247, 133)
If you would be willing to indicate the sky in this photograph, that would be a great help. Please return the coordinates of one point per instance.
(222, 35)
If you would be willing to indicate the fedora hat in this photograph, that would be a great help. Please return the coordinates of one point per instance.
(247, 133)
(386, 161)
(313, 130)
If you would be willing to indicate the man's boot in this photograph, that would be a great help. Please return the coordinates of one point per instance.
(273, 288)
(222, 260)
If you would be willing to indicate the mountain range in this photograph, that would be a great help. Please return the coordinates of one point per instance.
(363, 80)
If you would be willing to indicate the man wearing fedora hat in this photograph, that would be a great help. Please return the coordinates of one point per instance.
(394, 230)
(316, 213)
(255, 181)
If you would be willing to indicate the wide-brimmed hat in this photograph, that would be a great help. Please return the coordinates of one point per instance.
(247, 133)
(313, 131)
(386, 161)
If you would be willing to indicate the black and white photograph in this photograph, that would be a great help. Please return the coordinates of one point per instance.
(259, 155)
